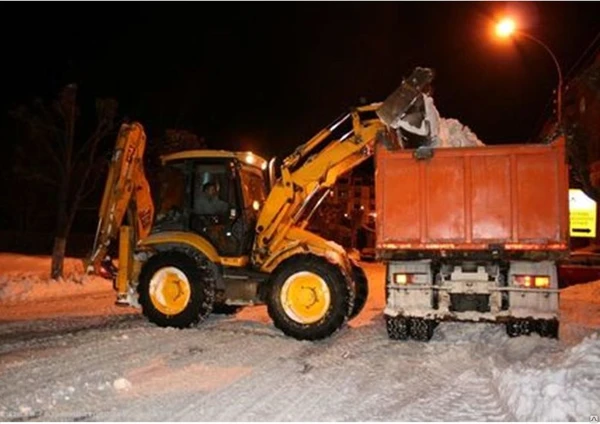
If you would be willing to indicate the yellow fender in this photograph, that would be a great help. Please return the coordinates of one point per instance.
(300, 241)
(180, 237)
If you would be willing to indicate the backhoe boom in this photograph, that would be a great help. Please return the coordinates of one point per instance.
(126, 190)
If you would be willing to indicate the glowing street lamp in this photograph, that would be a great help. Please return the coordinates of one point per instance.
(507, 28)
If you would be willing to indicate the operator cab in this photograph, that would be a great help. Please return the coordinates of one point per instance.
(215, 194)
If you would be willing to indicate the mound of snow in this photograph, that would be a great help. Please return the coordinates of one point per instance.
(24, 278)
(566, 390)
(586, 292)
(580, 306)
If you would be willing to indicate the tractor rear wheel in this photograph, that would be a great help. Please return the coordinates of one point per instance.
(309, 298)
(175, 289)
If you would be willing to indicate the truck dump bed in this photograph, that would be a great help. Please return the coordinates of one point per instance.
(511, 200)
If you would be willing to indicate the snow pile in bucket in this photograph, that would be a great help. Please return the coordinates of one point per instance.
(563, 388)
(425, 121)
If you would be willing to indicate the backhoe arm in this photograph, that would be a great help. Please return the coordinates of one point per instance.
(126, 190)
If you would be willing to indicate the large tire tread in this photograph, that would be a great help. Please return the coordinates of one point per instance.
(195, 266)
(398, 328)
(342, 298)
(361, 290)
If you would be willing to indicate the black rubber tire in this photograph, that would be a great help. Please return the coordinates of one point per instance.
(547, 328)
(201, 287)
(421, 329)
(398, 328)
(519, 327)
(361, 290)
(341, 293)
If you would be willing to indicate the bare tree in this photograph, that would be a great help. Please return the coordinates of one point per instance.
(56, 155)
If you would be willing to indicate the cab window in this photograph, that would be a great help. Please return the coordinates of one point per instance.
(171, 189)
(253, 188)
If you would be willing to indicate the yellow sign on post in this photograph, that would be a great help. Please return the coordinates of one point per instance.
(582, 211)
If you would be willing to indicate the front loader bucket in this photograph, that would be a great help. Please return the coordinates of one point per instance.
(395, 106)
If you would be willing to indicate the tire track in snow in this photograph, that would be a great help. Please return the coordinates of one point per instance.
(97, 359)
(462, 396)
(272, 373)
(40, 332)
(189, 400)
(424, 377)
(461, 385)
(297, 387)
(275, 379)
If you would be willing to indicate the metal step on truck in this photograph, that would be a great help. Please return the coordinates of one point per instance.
(472, 234)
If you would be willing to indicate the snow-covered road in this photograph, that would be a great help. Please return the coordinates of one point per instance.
(75, 356)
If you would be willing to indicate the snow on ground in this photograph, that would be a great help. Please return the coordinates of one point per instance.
(67, 353)
(26, 279)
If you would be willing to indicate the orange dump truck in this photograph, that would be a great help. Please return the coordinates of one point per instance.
(472, 233)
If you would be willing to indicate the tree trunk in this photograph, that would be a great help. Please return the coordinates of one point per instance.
(58, 257)
(62, 217)
(62, 230)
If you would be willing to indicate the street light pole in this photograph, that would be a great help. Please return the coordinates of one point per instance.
(560, 76)
(506, 28)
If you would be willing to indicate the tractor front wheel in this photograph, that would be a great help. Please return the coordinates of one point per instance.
(309, 298)
(361, 290)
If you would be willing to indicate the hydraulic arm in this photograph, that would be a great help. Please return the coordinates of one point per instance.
(305, 181)
(126, 191)
(309, 173)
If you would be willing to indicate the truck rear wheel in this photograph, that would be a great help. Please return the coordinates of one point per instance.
(398, 328)
(421, 329)
(361, 290)
(174, 290)
(519, 327)
(547, 328)
(309, 298)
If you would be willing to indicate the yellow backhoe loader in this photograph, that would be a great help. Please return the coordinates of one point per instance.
(230, 230)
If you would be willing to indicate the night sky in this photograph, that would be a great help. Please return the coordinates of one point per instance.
(267, 76)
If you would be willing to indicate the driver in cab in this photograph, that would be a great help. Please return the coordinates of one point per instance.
(208, 203)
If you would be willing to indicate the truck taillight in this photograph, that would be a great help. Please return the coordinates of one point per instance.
(532, 281)
(403, 279)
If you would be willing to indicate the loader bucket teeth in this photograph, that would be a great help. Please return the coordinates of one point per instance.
(397, 103)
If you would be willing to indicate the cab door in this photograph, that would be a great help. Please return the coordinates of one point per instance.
(254, 193)
(219, 224)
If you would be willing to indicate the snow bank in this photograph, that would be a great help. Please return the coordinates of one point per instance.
(25, 278)
(565, 388)
(580, 307)
(586, 292)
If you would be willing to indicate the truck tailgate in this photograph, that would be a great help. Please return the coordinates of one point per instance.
(509, 197)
